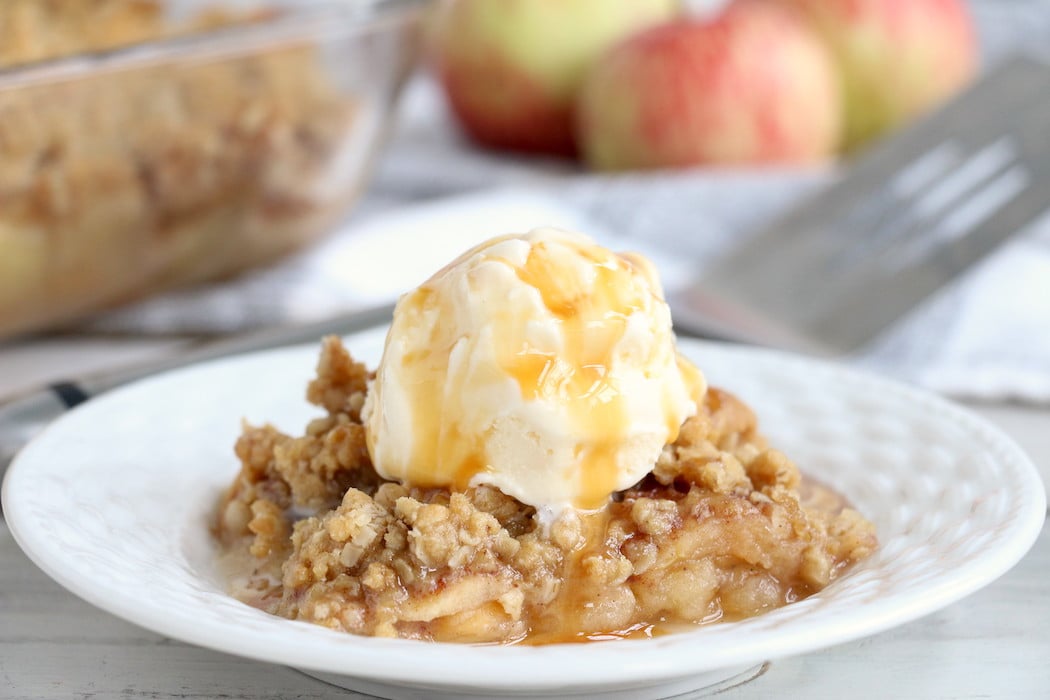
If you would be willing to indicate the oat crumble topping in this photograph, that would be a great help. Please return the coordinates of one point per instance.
(717, 531)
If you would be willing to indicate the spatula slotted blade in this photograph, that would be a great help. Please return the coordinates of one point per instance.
(907, 218)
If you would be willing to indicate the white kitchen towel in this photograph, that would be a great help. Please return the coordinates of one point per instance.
(987, 336)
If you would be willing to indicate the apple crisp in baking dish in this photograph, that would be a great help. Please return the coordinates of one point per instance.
(166, 164)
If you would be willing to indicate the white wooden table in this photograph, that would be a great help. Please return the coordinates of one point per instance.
(994, 644)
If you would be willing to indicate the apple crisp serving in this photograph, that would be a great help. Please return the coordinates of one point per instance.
(722, 528)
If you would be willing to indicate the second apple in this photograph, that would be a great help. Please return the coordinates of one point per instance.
(749, 85)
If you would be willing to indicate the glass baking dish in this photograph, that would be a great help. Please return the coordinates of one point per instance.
(191, 157)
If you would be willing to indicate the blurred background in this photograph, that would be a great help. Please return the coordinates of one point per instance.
(184, 170)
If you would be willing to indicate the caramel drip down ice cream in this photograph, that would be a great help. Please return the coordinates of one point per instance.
(541, 364)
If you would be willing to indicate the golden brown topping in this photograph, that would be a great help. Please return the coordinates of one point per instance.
(341, 382)
(720, 530)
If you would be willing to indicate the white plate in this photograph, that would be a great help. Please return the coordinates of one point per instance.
(113, 501)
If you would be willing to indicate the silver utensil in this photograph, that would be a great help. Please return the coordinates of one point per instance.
(907, 218)
(24, 416)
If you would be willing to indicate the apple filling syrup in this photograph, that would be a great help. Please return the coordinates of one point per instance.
(717, 531)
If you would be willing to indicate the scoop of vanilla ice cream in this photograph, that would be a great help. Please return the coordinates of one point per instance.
(542, 364)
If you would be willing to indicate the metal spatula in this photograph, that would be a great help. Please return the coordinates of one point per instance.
(907, 218)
